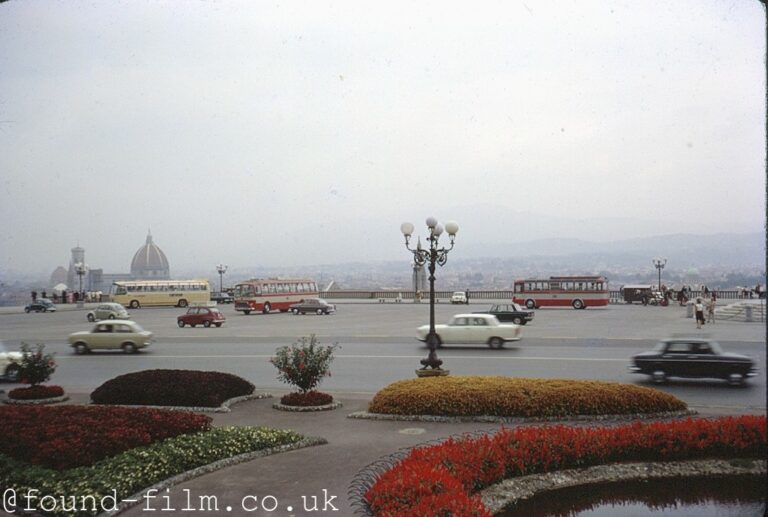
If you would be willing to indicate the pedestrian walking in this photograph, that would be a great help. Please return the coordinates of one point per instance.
(34, 296)
(711, 309)
(699, 308)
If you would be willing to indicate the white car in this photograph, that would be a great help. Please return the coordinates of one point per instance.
(9, 364)
(472, 329)
(459, 297)
(125, 335)
(108, 311)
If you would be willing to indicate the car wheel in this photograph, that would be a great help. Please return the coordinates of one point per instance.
(496, 342)
(81, 348)
(91, 317)
(267, 308)
(247, 312)
(517, 320)
(530, 304)
(206, 324)
(129, 348)
(319, 312)
(193, 325)
(12, 373)
(295, 311)
(659, 376)
(26, 309)
(218, 325)
(180, 324)
(735, 379)
(44, 309)
(111, 316)
(578, 304)
(182, 303)
(134, 304)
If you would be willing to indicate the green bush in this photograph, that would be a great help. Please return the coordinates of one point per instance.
(35, 367)
(304, 363)
(190, 388)
(518, 397)
(139, 468)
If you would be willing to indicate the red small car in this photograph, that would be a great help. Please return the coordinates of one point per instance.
(205, 316)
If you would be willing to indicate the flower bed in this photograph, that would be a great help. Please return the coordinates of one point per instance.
(310, 398)
(443, 479)
(129, 472)
(36, 392)
(70, 436)
(190, 388)
(518, 397)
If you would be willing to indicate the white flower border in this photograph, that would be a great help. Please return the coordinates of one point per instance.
(306, 409)
(223, 408)
(35, 402)
(489, 419)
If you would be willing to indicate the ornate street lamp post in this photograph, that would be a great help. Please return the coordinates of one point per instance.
(431, 256)
(81, 269)
(221, 268)
(659, 263)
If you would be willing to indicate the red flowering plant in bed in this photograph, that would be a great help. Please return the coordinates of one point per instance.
(454, 470)
(71, 436)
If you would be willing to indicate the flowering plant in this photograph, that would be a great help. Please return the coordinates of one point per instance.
(304, 363)
(35, 367)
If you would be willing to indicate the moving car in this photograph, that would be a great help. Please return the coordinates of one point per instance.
(693, 358)
(473, 328)
(221, 297)
(459, 297)
(108, 311)
(9, 364)
(41, 305)
(205, 316)
(125, 335)
(316, 305)
(511, 312)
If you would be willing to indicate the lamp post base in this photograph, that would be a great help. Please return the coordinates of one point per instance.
(432, 372)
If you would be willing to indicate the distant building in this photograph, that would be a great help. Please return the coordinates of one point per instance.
(419, 278)
(150, 262)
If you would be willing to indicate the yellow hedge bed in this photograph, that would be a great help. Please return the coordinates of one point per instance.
(518, 397)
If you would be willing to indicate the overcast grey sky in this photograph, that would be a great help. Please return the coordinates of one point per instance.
(257, 133)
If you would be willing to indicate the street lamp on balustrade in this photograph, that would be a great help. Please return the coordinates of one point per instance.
(659, 263)
(81, 269)
(431, 257)
(221, 268)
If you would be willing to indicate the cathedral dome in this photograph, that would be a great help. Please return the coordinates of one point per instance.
(150, 262)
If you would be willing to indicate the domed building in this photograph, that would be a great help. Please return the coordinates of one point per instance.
(150, 262)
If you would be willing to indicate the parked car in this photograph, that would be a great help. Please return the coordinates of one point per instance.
(108, 311)
(205, 316)
(459, 297)
(125, 335)
(221, 297)
(473, 328)
(693, 358)
(509, 312)
(41, 305)
(9, 364)
(316, 305)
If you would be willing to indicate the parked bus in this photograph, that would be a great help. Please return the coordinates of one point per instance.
(270, 294)
(142, 293)
(561, 291)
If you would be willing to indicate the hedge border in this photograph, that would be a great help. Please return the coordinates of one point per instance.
(223, 408)
(490, 419)
(35, 402)
(306, 409)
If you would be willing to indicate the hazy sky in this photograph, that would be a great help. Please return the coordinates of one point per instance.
(257, 133)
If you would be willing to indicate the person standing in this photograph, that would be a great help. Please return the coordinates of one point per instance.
(711, 309)
(699, 308)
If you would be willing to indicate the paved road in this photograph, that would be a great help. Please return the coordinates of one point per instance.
(378, 347)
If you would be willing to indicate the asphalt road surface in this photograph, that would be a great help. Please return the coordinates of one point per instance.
(377, 347)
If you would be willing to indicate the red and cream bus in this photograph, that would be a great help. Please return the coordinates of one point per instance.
(269, 294)
(579, 292)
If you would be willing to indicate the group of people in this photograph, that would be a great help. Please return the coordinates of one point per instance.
(709, 306)
(68, 296)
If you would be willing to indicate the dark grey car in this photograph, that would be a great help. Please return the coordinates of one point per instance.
(313, 305)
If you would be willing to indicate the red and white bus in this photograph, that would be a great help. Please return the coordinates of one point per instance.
(269, 294)
(579, 292)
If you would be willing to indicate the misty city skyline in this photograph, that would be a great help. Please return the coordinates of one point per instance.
(261, 135)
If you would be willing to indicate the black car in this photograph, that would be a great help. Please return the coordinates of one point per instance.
(316, 305)
(693, 358)
(510, 312)
(221, 297)
(41, 305)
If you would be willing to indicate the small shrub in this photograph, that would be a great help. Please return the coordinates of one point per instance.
(309, 398)
(518, 397)
(304, 363)
(36, 392)
(35, 367)
(190, 388)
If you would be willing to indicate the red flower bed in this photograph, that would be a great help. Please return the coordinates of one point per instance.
(70, 436)
(455, 469)
(36, 392)
(310, 398)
